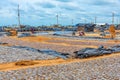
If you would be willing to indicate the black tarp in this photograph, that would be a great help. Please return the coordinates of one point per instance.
(44, 51)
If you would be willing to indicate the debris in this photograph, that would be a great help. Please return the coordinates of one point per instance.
(10, 54)
(81, 33)
(90, 52)
(54, 53)
(3, 43)
(26, 48)
(24, 35)
(115, 48)
(73, 33)
(3, 34)
(25, 63)
(44, 51)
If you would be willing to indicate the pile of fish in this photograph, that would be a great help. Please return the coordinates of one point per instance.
(90, 52)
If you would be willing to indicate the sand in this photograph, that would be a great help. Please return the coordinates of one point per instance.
(96, 68)
(102, 68)
(50, 62)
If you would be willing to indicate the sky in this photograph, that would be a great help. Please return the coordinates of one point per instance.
(43, 12)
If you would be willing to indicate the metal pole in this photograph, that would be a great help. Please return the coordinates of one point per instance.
(119, 20)
(113, 18)
(57, 18)
(85, 21)
(72, 21)
(18, 16)
(95, 19)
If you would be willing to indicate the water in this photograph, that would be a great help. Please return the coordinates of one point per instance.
(41, 33)
(55, 32)
(62, 32)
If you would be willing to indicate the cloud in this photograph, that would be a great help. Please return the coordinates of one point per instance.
(102, 3)
(64, 0)
(46, 5)
(46, 10)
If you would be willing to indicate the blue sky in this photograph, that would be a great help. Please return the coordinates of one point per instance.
(43, 12)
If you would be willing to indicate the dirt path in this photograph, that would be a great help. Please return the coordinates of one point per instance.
(52, 40)
(40, 63)
(12, 66)
(67, 42)
(47, 40)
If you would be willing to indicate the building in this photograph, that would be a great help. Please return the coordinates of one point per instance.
(85, 27)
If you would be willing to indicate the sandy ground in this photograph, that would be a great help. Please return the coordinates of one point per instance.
(66, 45)
(41, 42)
(102, 68)
(51, 62)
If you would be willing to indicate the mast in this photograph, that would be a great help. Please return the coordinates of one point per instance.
(85, 21)
(18, 16)
(72, 21)
(95, 19)
(113, 18)
(119, 20)
(57, 18)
